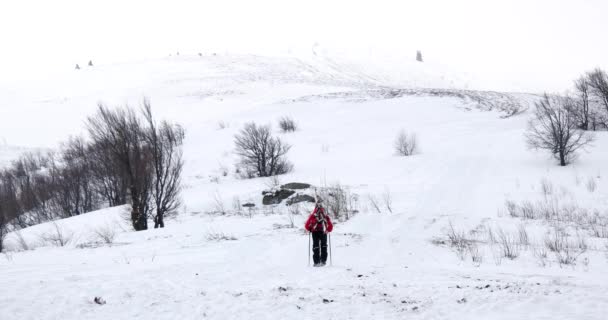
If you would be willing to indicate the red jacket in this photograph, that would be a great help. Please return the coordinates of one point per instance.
(319, 221)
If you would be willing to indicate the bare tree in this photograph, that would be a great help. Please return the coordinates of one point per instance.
(73, 188)
(165, 141)
(580, 109)
(109, 178)
(260, 152)
(554, 129)
(121, 131)
(598, 81)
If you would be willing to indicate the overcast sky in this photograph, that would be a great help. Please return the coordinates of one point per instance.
(540, 45)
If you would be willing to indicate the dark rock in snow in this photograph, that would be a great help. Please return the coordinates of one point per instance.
(295, 186)
(275, 197)
(300, 198)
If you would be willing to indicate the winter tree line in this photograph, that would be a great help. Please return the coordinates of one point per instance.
(126, 157)
(561, 124)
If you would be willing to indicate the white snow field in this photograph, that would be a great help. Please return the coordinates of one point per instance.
(385, 265)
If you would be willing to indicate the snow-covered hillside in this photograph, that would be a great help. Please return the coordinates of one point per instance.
(387, 265)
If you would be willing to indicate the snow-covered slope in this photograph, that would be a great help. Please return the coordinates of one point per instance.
(388, 265)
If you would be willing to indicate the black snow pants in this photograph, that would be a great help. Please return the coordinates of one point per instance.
(319, 247)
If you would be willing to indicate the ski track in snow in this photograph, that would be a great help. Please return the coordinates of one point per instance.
(384, 265)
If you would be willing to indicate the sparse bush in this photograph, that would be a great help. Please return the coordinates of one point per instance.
(524, 239)
(261, 153)
(508, 245)
(527, 210)
(236, 205)
(512, 208)
(546, 187)
(475, 253)
(541, 255)
(287, 124)
(218, 204)
(591, 184)
(339, 201)
(406, 144)
(458, 241)
(491, 238)
(374, 203)
(220, 236)
(105, 234)
(58, 236)
(387, 199)
(221, 125)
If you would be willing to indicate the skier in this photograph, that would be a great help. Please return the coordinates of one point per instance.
(319, 224)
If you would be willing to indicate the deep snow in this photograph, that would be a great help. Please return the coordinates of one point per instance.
(384, 265)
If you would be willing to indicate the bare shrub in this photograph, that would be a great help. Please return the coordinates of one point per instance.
(546, 187)
(557, 240)
(237, 206)
(524, 239)
(219, 236)
(340, 202)
(512, 208)
(105, 234)
(541, 255)
(406, 144)
(554, 129)
(457, 241)
(566, 252)
(528, 210)
(374, 203)
(387, 199)
(261, 153)
(287, 124)
(218, 204)
(221, 125)
(591, 184)
(508, 245)
(491, 237)
(599, 229)
(475, 253)
(58, 236)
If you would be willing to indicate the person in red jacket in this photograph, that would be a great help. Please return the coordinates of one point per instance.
(319, 224)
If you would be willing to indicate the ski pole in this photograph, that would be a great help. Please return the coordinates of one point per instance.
(331, 263)
(308, 249)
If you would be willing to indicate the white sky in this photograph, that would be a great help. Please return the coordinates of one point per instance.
(540, 45)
